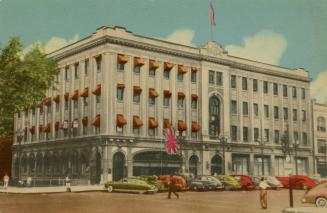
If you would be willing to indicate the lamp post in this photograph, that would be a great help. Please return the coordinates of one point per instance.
(181, 139)
(295, 146)
(223, 141)
(20, 136)
(262, 143)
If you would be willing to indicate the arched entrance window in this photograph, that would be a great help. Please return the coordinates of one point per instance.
(216, 165)
(193, 165)
(17, 164)
(39, 162)
(118, 166)
(214, 116)
(32, 164)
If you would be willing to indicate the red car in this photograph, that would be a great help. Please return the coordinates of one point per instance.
(298, 182)
(246, 181)
(181, 182)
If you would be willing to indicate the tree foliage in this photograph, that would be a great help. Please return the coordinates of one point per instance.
(23, 80)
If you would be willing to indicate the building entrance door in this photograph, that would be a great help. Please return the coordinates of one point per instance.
(216, 165)
(118, 166)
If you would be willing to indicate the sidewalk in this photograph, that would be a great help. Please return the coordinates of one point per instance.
(305, 210)
(52, 189)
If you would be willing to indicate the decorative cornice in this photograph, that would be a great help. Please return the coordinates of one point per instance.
(174, 52)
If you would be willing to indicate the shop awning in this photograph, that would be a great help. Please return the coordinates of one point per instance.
(195, 126)
(181, 95)
(181, 125)
(153, 64)
(47, 101)
(166, 123)
(85, 121)
(75, 95)
(168, 66)
(137, 89)
(121, 86)
(153, 123)
(120, 120)
(32, 130)
(137, 122)
(194, 69)
(167, 93)
(66, 96)
(194, 97)
(182, 69)
(138, 61)
(46, 128)
(56, 98)
(85, 92)
(122, 59)
(96, 121)
(153, 92)
(97, 90)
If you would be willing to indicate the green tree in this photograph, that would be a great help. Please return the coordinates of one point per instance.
(23, 80)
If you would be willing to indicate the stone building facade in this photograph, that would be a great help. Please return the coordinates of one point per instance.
(117, 92)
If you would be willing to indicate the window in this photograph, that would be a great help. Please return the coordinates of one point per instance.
(211, 77)
(26, 113)
(303, 93)
(75, 103)
(86, 67)
(255, 109)
(120, 129)
(295, 136)
(245, 108)
(66, 73)
(255, 85)
(194, 104)
(33, 111)
(219, 78)
(276, 136)
(120, 94)
(84, 130)
(285, 109)
(322, 145)
(193, 77)
(234, 107)
(276, 113)
(194, 134)
(18, 114)
(245, 134)
(265, 87)
(180, 76)
(66, 104)
(152, 72)
(120, 67)
(167, 72)
(137, 69)
(294, 92)
(234, 133)
(244, 83)
(136, 130)
(166, 101)
(256, 134)
(180, 102)
(294, 114)
(152, 100)
(97, 130)
(321, 127)
(136, 97)
(214, 116)
(285, 90)
(76, 69)
(152, 131)
(98, 99)
(266, 109)
(98, 64)
(304, 116)
(266, 135)
(233, 81)
(304, 138)
(41, 110)
(86, 101)
(57, 107)
(275, 88)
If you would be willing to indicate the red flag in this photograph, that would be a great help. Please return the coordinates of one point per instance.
(212, 15)
(171, 141)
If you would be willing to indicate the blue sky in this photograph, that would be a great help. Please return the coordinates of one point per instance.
(290, 33)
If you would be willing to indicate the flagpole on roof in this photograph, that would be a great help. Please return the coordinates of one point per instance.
(212, 19)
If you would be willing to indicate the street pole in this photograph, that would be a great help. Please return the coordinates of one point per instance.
(19, 138)
(295, 156)
(223, 144)
(262, 161)
(180, 140)
(325, 152)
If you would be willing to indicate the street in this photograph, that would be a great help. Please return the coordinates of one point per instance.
(93, 202)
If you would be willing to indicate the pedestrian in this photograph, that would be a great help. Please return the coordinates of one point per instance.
(67, 181)
(5, 181)
(263, 192)
(172, 188)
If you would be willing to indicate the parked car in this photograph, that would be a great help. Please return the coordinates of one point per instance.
(272, 181)
(130, 184)
(187, 176)
(153, 180)
(218, 183)
(284, 181)
(317, 195)
(298, 182)
(246, 181)
(229, 182)
(181, 182)
(197, 185)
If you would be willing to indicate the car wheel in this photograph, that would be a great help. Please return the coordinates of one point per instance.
(195, 188)
(321, 202)
(110, 189)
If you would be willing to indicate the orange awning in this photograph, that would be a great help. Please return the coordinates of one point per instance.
(166, 123)
(47, 128)
(181, 95)
(138, 61)
(120, 120)
(57, 125)
(168, 66)
(153, 64)
(47, 101)
(194, 97)
(167, 93)
(194, 69)
(97, 90)
(182, 69)
(66, 96)
(32, 130)
(195, 126)
(137, 89)
(153, 123)
(85, 92)
(56, 98)
(121, 86)
(153, 92)
(85, 120)
(122, 59)
(75, 95)
(181, 125)
(96, 121)
(137, 122)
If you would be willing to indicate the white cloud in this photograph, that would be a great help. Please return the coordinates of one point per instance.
(53, 43)
(182, 36)
(319, 87)
(265, 46)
